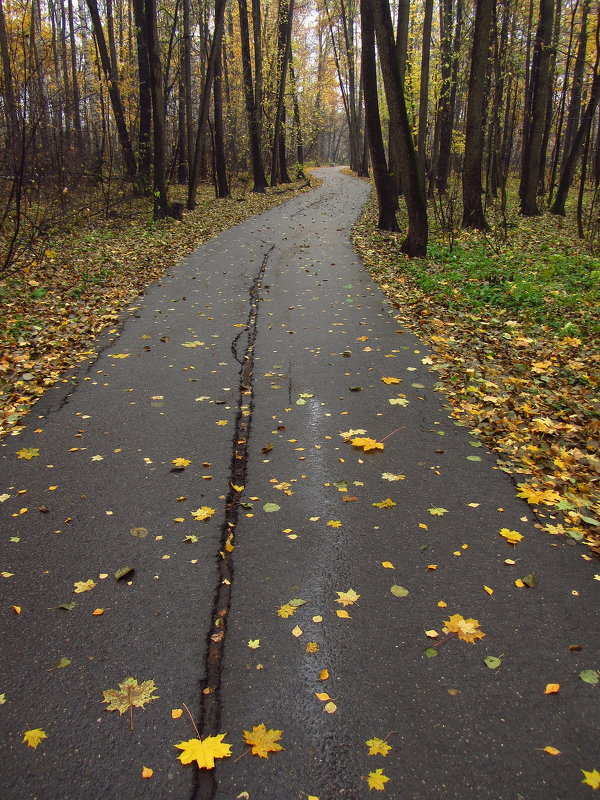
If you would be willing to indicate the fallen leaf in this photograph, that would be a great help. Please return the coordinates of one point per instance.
(591, 778)
(254, 644)
(512, 537)
(176, 713)
(16, 609)
(347, 598)
(493, 662)
(204, 751)
(263, 741)
(399, 591)
(591, 676)
(377, 780)
(297, 631)
(83, 586)
(34, 737)
(367, 444)
(324, 675)
(344, 614)
(271, 507)
(487, 589)
(432, 634)
(466, 629)
(181, 462)
(551, 750)
(378, 747)
(60, 664)
(312, 647)
(129, 694)
(387, 503)
(322, 696)
(387, 565)
(334, 523)
(203, 513)
(389, 381)
(552, 688)
(437, 512)
(28, 453)
(147, 772)
(391, 476)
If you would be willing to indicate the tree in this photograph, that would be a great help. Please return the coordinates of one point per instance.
(383, 184)
(472, 190)
(252, 112)
(415, 243)
(535, 111)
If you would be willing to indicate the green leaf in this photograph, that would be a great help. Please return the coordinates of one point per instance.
(123, 572)
(270, 507)
(577, 535)
(437, 512)
(530, 580)
(430, 652)
(139, 533)
(590, 676)
(60, 664)
(399, 591)
(296, 603)
(67, 606)
(473, 458)
(590, 520)
(341, 485)
(493, 662)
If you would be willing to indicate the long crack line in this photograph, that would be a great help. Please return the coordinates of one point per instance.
(210, 706)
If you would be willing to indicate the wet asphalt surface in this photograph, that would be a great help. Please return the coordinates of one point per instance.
(248, 360)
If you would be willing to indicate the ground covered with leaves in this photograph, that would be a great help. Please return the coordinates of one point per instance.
(512, 317)
(52, 310)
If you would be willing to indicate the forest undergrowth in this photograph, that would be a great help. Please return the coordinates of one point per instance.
(512, 317)
(52, 310)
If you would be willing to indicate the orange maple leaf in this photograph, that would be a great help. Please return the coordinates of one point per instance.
(263, 741)
(367, 444)
(465, 629)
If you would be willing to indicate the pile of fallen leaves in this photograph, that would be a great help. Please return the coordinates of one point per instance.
(516, 349)
(52, 310)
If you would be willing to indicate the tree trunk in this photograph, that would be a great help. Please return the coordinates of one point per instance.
(415, 243)
(284, 38)
(424, 87)
(113, 90)
(574, 110)
(258, 171)
(219, 139)
(143, 178)
(536, 112)
(297, 123)
(385, 196)
(10, 103)
(472, 190)
(205, 101)
(567, 172)
(161, 202)
(447, 105)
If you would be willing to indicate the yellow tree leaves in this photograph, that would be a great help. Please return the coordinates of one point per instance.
(512, 537)
(387, 503)
(33, 737)
(367, 444)
(378, 747)
(377, 780)
(83, 586)
(203, 513)
(591, 778)
(263, 741)
(129, 694)
(28, 453)
(347, 598)
(466, 629)
(204, 751)
(535, 496)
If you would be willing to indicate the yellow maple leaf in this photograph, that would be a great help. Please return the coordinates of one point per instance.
(181, 462)
(129, 694)
(286, 610)
(204, 751)
(347, 598)
(591, 778)
(222, 422)
(204, 512)
(512, 537)
(377, 780)
(391, 476)
(465, 629)
(367, 444)
(378, 747)
(387, 503)
(334, 523)
(391, 380)
(535, 496)
(28, 453)
(263, 741)
(34, 737)
(312, 647)
(83, 586)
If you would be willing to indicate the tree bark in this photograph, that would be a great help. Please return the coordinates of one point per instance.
(258, 171)
(113, 90)
(383, 184)
(161, 202)
(535, 111)
(415, 243)
(219, 140)
(472, 190)
(424, 87)
(284, 39)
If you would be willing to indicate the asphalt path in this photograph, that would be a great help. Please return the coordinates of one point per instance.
(250, 360)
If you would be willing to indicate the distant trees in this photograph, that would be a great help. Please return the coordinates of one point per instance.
(446, 99)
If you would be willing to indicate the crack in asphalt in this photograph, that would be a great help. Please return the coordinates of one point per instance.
(205, 785)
